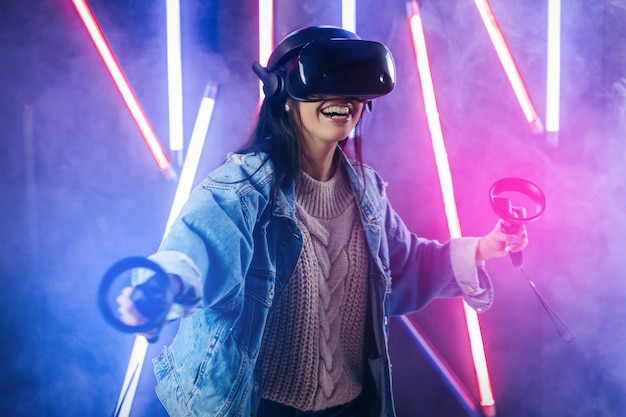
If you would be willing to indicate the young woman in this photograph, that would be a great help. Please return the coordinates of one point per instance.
(288, 259)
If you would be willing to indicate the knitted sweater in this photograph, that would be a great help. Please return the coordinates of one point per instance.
(312, 349)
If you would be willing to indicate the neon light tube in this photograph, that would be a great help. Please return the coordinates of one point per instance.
(434, 124)
(348, 15)
(266, 35)
(553, 90)
(510, 68)
(443, 169)
(129, 387)
(487, 401)
(196, 144)
(436, 360)
(183, 189)
(123, 86)
(174, 79)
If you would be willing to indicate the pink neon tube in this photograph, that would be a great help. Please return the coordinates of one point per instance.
(434, 124)
(123, 86)
(506, 58)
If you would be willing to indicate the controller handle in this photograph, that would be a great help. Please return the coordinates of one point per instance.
(513, 216)
(511, 228)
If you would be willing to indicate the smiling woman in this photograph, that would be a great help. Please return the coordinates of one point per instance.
(289, 248)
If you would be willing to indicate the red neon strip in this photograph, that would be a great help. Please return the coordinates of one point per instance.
(510, 67)
(445, 179)
(122, 84)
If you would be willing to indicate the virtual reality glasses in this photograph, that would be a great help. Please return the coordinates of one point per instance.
(335, 67)
(341, 68)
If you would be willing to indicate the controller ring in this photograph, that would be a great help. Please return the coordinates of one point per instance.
(519, 185)
(109, 278)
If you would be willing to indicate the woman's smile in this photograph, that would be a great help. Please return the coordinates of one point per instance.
(330, 120)
(338, 112)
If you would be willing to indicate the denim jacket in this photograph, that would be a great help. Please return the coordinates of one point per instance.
(236, 244)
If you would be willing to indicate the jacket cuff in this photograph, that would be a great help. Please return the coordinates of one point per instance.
(472, 278)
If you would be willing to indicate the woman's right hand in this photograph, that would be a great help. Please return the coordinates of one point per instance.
(129, 314)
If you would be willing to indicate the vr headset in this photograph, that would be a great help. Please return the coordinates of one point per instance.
(324, 61)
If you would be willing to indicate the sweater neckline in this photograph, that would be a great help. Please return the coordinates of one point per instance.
(324, 199)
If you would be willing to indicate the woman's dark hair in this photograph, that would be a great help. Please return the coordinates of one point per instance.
(277, 133)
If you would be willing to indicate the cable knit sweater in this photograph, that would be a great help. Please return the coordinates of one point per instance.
(312, 350)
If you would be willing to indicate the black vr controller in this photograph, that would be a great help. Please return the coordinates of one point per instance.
(153, 298)
(513, 216)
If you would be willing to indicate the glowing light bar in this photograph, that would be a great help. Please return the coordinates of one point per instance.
(131, 379)
(432, 116)
(487, 401)
(196, 144)
(183, 189)
(266, 34)
(510, 68)
(436, 360)
(443, 169)
(174, 79)
(554, 72)
(348, 15)
(124, 87)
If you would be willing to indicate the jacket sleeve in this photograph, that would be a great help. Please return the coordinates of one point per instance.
(423, 269)
(210, 245)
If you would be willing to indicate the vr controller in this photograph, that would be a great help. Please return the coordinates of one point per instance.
(152, 298)
(512, 216)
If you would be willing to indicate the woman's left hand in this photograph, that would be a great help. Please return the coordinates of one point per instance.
(498, 243)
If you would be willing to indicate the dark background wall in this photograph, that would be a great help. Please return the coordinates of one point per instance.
(80, 190)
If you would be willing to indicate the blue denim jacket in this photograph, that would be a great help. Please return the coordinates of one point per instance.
(236, 244)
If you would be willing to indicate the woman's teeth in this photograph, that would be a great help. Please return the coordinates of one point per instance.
(336, 112)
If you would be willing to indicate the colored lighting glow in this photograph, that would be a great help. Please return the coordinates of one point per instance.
(174, 78)
(266, 34)
(183, 189)
(348, 15)
(445, 178)
(510, 68)
(123, 86)
(553, 89)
